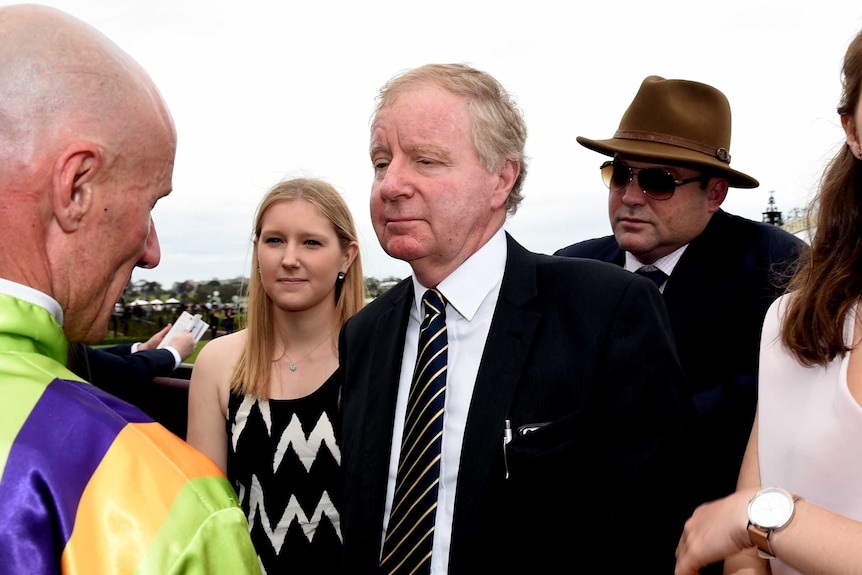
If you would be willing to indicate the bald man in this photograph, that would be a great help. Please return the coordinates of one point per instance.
(89, 483)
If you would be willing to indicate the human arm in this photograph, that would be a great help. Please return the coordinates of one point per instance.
(110, 367)
(222, 546)
(208, 394)
(815, 541)
(204, 530)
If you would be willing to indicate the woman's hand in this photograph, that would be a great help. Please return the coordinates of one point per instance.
(715, 530)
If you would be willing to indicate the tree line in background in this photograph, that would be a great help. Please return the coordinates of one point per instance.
(134, 322)
(219, 291)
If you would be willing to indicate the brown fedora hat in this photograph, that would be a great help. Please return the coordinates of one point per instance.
(677, 121)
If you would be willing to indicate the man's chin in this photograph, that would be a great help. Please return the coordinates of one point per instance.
(631, 242)
(403, 248)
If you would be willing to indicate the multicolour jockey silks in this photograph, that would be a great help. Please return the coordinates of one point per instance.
(90, 484)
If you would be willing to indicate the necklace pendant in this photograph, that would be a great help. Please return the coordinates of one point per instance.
(292, 367)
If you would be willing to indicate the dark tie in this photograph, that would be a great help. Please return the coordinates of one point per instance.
(657, 276)
(407, 547)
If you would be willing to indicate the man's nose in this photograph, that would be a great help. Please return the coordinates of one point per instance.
(152, 250)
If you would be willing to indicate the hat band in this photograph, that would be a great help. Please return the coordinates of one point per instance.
(721, 153)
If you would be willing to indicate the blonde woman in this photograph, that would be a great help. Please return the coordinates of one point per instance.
(263, 401)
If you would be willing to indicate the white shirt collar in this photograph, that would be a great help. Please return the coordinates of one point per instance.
(665, 264)
(467, 286)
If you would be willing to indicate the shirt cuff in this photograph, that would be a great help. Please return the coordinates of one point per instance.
(177, 357)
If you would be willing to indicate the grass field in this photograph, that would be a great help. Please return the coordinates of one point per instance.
(200, 345)
(135, 329)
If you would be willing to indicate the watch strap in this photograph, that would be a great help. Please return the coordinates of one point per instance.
(760, 539)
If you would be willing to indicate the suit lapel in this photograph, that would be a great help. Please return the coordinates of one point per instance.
(389, 343)
(378, 418)
(694, 278)
(509, 341)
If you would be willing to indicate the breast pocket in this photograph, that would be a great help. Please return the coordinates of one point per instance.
(541, 448)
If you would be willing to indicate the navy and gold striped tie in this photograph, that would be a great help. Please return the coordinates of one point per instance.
(407, 547)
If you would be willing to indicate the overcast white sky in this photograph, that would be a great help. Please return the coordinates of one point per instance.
(263, 90)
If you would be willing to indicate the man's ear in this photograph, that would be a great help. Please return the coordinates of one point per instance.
(72, 194)
(716, 193)
(507, 175)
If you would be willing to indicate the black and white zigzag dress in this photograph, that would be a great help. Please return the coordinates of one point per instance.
(284, 461)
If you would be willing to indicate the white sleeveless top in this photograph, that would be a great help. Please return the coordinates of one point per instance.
(809, 426)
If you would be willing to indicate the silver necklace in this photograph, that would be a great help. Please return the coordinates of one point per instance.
(292, 364)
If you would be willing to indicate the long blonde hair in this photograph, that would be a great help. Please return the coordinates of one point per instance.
(251, 374)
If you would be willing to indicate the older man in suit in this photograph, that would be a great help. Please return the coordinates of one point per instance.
(555, 421)
(668, 176)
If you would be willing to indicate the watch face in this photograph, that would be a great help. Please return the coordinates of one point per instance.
(771, 508)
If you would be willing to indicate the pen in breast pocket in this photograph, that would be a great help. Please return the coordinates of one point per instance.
(507, 438)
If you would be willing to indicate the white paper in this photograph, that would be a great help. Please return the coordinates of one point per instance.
(193, 323)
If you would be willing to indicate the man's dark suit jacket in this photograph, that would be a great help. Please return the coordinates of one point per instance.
(716, 298)
(129, 376)
(118, 365)
(582, 348)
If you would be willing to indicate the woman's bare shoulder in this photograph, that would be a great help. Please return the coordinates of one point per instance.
(222, 351)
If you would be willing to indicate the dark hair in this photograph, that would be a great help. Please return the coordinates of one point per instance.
(828, 281)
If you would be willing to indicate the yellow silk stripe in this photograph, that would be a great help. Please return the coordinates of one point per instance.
(129, 498)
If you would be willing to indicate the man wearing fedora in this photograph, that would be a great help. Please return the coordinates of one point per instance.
(668, 173)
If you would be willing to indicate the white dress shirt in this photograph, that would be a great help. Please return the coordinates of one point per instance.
(471, 293)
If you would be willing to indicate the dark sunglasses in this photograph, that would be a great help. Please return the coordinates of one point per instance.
(656, 183)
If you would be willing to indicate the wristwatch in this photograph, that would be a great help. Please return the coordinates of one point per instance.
(769, 510)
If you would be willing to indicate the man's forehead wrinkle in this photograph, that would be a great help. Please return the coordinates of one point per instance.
(426, 148)
(411, 138)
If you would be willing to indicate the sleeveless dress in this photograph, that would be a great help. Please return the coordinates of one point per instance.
(284, 461)
(809, 425)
